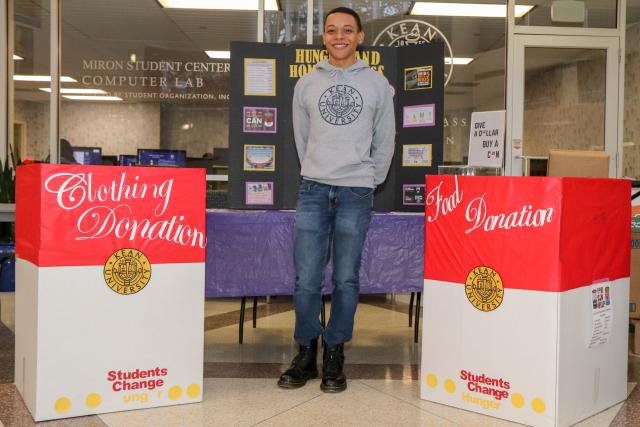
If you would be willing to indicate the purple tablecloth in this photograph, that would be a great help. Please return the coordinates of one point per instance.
(250, 253)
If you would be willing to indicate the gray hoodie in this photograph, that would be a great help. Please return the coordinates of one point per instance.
(344, 125)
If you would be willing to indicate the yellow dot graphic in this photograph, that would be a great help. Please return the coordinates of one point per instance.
(538, 405)
(93, 400)
(432, 380)
(62, 405)
(450, 386)
(517, 400)
(193, 390)
(175, 392)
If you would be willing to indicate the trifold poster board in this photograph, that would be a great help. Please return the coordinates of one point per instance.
(526, 296)
(264, 168)
(110, 285)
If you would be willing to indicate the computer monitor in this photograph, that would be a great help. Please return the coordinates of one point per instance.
(128, 160)
(109, 160)
(155, 157)
(87, 155)
(198, 162)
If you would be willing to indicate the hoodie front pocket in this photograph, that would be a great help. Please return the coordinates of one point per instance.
(332, 157)
(356, 160)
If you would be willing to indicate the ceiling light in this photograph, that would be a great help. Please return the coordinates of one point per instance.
(219, 54)
(75, 90)
(457, 61)
(17, 58)
(92, 98)
(24, 78)
(218, 4)
(466, 9)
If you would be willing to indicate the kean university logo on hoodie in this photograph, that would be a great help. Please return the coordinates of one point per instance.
(340, 105)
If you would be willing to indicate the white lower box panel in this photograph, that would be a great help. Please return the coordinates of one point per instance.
(506, 363)
(82, 348)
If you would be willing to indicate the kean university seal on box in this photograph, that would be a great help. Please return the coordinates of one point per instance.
(127, 271)
(484, 288)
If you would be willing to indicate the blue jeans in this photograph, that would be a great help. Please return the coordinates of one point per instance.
(329, 217)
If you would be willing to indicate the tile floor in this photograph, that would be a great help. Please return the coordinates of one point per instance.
(240, 387)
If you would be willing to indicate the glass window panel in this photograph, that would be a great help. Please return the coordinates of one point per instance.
(631, 139)
(564, 101)
(31, 28)
(168, 92)
(288, 25)
(559, 13)
(372, 13)
(477, 86)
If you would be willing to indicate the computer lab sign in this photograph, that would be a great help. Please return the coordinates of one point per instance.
(413, 31)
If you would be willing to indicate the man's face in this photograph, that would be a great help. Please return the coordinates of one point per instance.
(341, 38)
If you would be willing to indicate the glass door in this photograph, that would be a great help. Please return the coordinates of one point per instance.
(565, 96)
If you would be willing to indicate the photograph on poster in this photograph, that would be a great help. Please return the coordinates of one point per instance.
(259, 157)
(259, 77)
(600, 297)
(259, 193)
(259, 119)
(416, 155)
(413, 194)
(418, 115)
(418, 78)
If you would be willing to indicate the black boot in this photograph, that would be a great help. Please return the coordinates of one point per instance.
(333, 379)
(304, 367)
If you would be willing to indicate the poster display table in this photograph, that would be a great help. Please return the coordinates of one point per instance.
(110, 277)
(250, 253)
(526, 296)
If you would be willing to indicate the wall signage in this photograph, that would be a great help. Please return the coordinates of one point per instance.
(413, 31)
(161, 79)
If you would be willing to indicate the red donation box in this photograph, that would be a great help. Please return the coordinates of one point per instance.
(110, 288)
(526, 296)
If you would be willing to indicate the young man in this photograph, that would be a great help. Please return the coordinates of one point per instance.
(344, 128)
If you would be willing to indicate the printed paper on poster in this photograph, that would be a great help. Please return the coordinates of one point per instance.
(413, 194)
(259, 193)
(486, 138)
(419, 116)
(259, 77)
(418, 78)
(601, 314)
(259, 157)
(259, 119)
(416, 155)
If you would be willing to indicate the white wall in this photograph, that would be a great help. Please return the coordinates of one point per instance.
(118, 128)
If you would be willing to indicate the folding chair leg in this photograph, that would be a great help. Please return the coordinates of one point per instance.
(241, 328)
(417, 320)
(413, 294)
(323, 317)
(255, 311)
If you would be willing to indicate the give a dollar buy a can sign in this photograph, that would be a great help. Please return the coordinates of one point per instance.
(509, 265)
(110, 274)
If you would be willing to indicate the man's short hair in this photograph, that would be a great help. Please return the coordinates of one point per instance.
(348, 11)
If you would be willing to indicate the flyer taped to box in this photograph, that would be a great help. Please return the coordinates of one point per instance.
(110, 285)
(526, 296)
